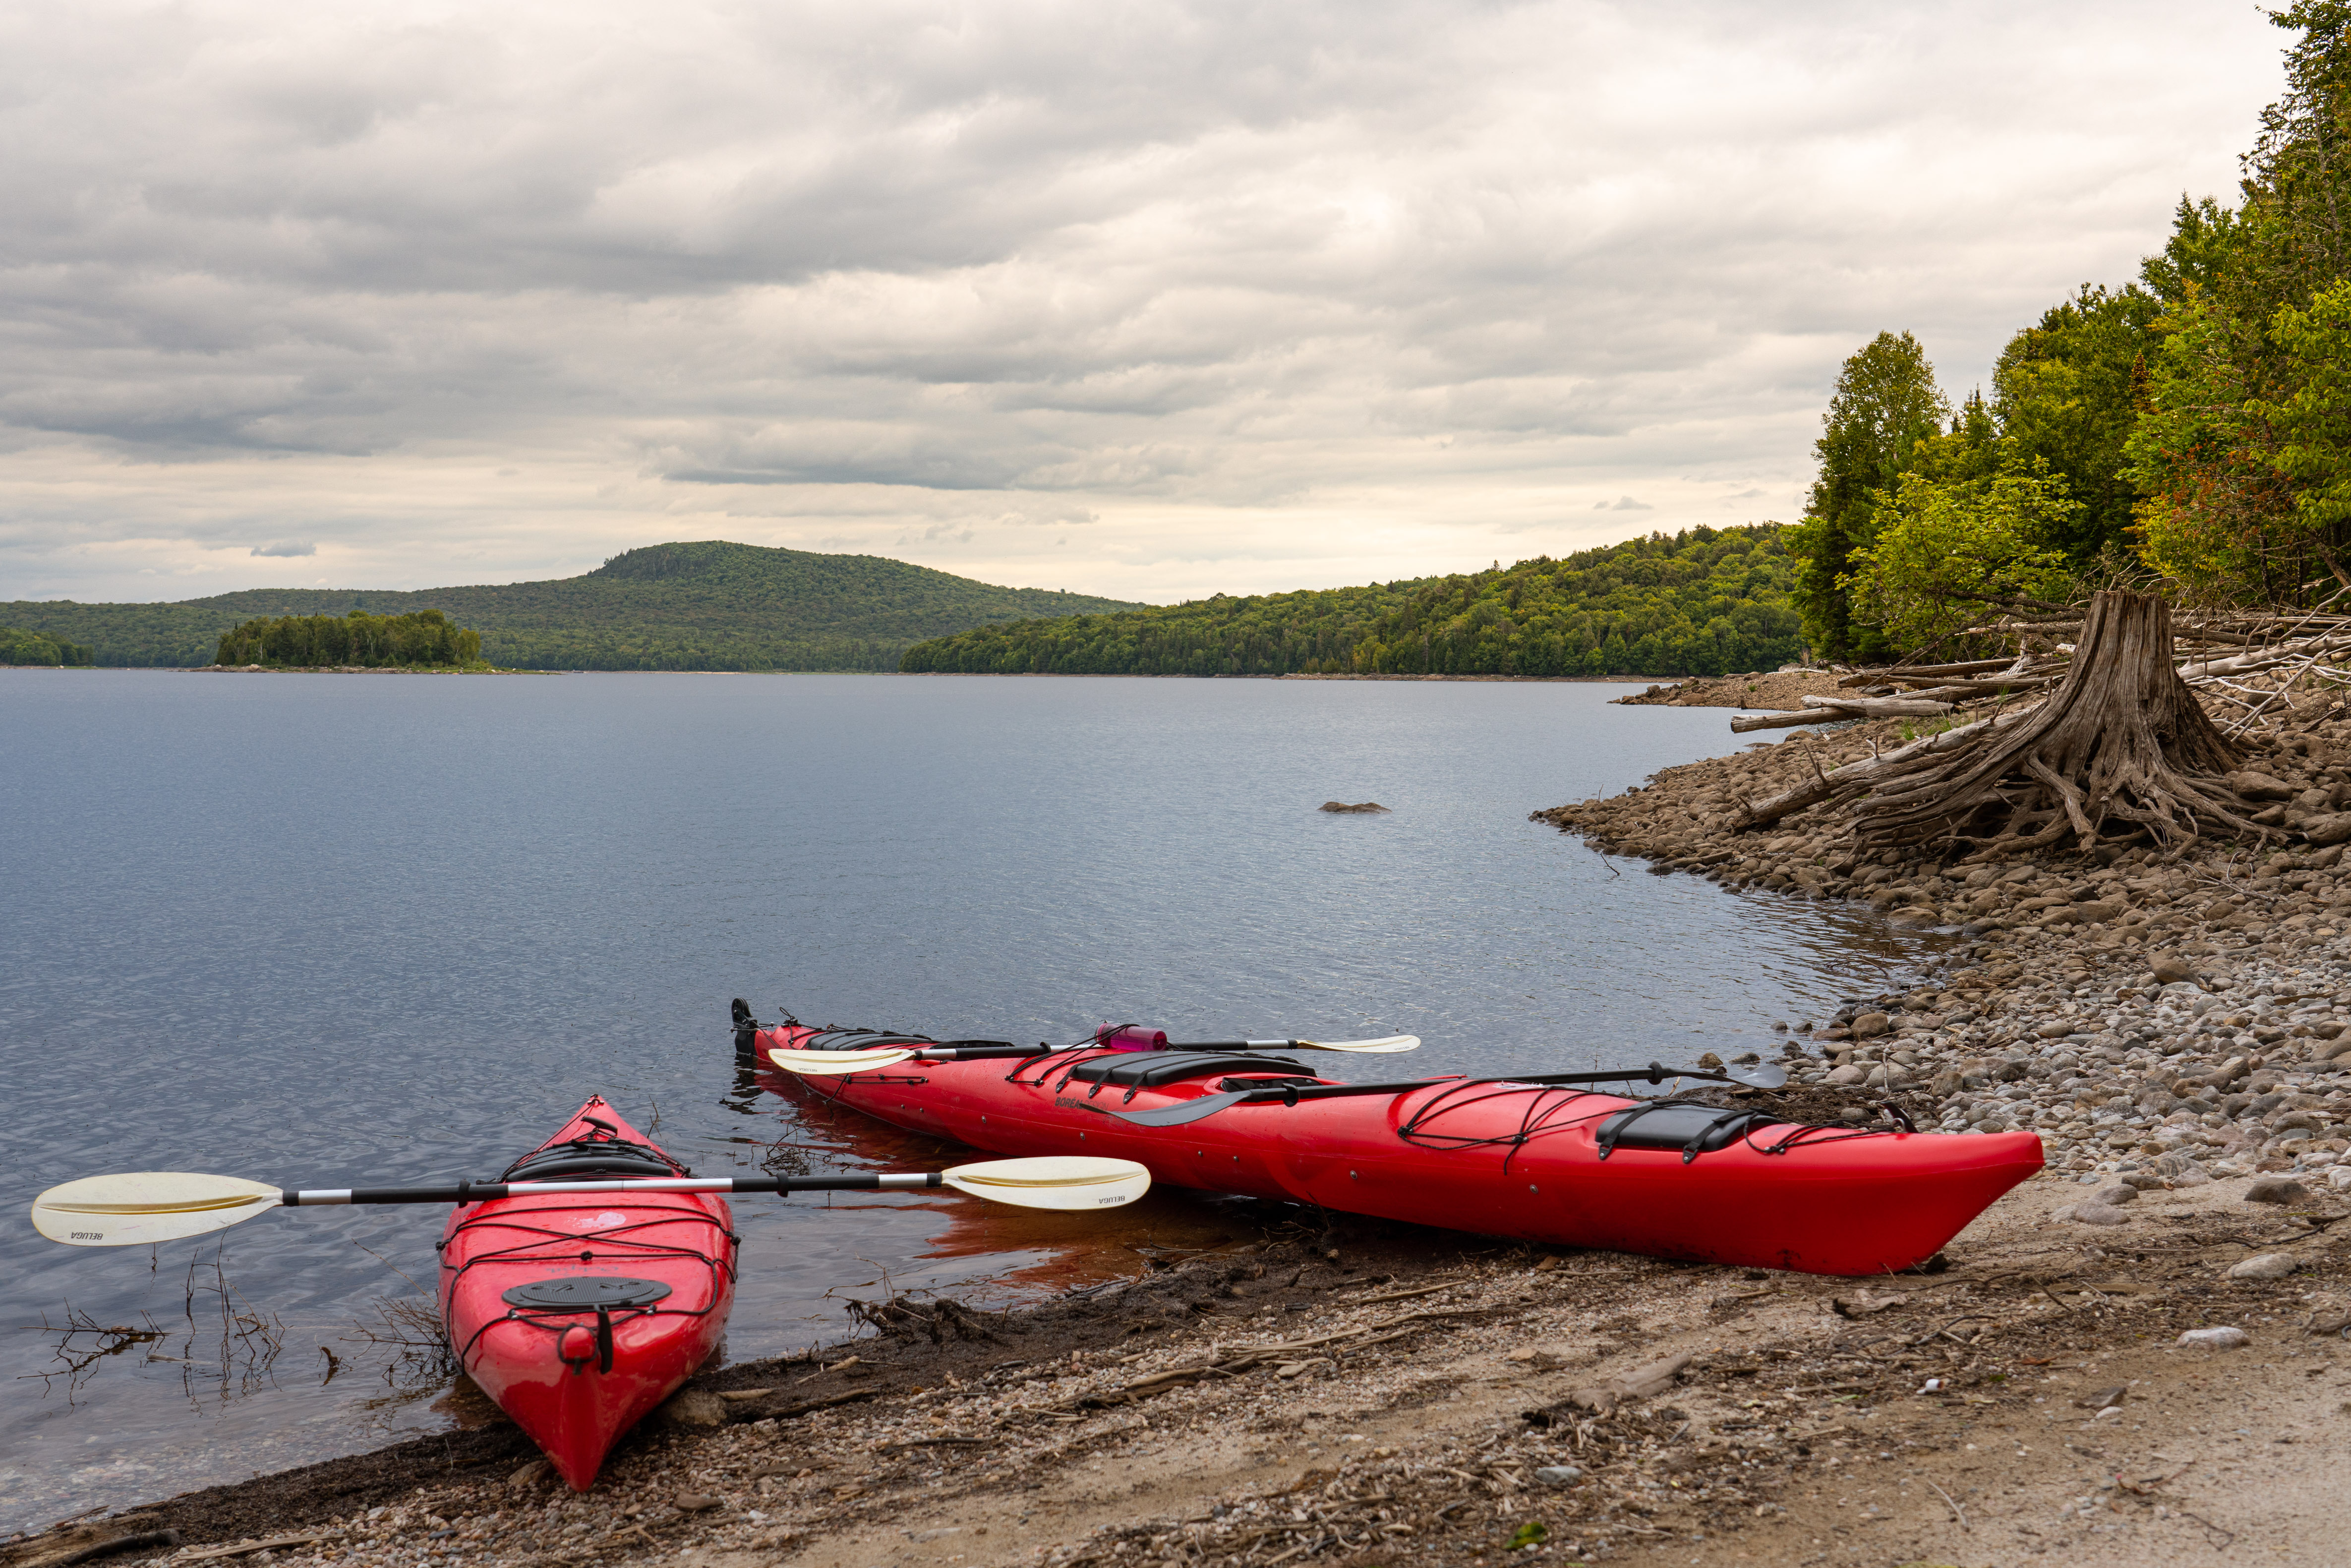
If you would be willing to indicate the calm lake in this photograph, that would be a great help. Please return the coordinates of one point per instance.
(327, 931)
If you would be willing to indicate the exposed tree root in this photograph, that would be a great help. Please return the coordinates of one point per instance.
(2121, 750)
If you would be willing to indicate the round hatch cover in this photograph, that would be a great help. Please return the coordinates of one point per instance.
(584, 1294)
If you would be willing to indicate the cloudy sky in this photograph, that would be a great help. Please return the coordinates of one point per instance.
(1141, 298)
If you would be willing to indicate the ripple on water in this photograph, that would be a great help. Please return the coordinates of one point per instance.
(321, 931)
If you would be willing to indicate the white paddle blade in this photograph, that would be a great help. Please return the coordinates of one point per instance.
(835, 1063)
(137, 1207)
(1053, 1181)
(1387, 1045)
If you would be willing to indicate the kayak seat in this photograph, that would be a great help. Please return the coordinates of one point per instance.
(1137, 1070)
(592, 1157)
(1686, 1125)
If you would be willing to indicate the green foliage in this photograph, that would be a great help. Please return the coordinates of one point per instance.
(424, 638)
(1944, 549)
(2312, 423)
(1706, 601)
(702, 606)
(1886, 403)
(2065, 395)
(39, 648)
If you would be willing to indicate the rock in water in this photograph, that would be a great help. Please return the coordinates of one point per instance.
(1360, 806)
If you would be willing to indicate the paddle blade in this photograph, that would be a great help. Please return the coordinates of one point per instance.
(835, 1063)
(1053, 1181)
(1762, 1075)
(1387, 1045)
(1182, 1112)
(137, 1207)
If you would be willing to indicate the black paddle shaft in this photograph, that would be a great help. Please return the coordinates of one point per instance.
(483, 1191)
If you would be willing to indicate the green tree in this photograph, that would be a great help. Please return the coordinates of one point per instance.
(2066, 393)
(1946, 549)
(20, 647)
(1885, 404)
(2311, 425)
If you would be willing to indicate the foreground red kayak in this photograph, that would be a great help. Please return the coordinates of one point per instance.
(1498, 1157)
(578, 1313)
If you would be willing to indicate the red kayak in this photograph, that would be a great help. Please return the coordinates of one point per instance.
(578, 1313)
(1498, 1157)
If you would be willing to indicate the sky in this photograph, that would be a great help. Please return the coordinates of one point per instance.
(1132, 298)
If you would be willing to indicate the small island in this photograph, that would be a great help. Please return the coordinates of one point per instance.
(425, 640)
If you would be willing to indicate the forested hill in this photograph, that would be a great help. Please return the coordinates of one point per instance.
(1707, 601)
(707, 606)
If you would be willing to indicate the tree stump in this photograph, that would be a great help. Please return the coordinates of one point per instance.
(2120, 749)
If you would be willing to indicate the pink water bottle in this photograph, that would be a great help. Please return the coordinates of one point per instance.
(1130, 1037)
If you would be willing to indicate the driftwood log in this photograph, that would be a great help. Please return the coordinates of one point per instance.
(2121, 748)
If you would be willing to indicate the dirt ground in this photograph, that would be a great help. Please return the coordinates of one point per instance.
(1377, 1395)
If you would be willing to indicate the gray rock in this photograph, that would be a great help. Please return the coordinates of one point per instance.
(2276, 1189)
(1869, 1026)
(2122, 1192)
(1559, 1475)
(2218, 1339)
(1846, 1074)
(2093, 1214)
(690, 1407)
(2333, 829)
(2267, 1266)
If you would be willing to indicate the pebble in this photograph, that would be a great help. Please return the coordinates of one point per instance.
(696, 1501)
(2092, 1213)
(2267, 1266)
(1559, 1475)
(2122, 1192)
(2218, 1339)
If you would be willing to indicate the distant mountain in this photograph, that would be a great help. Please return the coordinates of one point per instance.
(1704, 602)
(706, 606)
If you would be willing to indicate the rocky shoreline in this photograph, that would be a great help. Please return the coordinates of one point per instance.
(2155, 1019)
(1782, 691)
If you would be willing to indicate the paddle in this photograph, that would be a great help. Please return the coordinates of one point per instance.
(1386, 1045)
(837, 1063)
(1763, 1075)
(136, 1208)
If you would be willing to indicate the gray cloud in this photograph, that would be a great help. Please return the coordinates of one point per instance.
(1274, 294)
(286, 549)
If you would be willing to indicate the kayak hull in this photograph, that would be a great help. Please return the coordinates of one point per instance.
(1831, 1201)
(573, 1378)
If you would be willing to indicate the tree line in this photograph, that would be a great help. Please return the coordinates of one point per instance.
(426, 639)
(1704, 602)
(2192, 424)
(19, 647)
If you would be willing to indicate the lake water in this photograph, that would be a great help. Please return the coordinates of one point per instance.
(324, 931)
